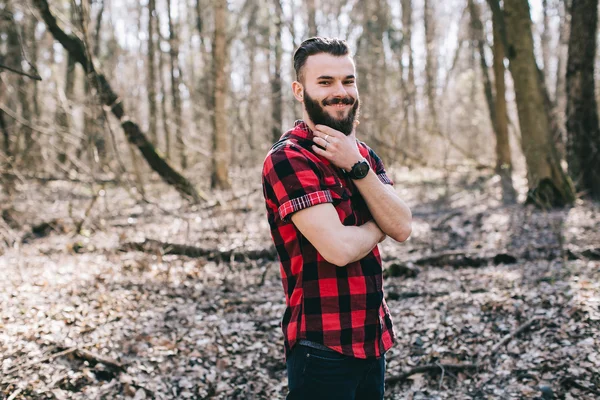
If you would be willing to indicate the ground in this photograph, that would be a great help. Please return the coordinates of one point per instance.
(83, 317)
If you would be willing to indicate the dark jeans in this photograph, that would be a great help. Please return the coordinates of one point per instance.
(320, 374)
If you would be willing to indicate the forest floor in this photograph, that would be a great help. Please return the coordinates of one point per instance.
(501, 302)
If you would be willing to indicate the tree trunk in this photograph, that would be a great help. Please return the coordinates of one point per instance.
(410, 110)
(276, 93)
(503, 155)
(560, 90)
(220, 161)
(312, 18)
(545, 42)
(549, 186)
(175, 80)
(430, 67)
(583, 149)
(108, 97)
(479, 39)
(151, 75)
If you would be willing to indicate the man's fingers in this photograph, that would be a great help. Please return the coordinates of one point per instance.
(319, 151)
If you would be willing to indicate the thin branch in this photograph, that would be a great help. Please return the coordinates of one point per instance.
(35, 77)
(508, 337)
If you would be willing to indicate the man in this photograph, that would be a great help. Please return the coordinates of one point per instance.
(329, 203)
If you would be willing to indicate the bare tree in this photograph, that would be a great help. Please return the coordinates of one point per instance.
(582, 109)
(175, 82)
(548, 184)
(276, 93)
(220, 169)
(151, 75)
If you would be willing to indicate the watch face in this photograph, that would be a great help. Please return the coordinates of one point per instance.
(361, 169)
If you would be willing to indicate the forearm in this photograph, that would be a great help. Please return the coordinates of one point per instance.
(356, 242)
(389, 211)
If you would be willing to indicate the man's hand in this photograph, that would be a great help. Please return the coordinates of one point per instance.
(339, 149)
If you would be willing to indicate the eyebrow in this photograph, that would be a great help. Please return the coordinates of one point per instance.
(324, 77)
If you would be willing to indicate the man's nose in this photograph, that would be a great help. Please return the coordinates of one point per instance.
(339, 90)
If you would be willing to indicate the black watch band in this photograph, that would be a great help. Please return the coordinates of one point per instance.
(359, 170)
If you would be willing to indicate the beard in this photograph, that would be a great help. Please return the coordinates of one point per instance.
(317, 114)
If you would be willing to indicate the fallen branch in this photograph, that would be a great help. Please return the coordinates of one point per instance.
(518, 331)
(153, 246)
(94, 358)
(47, 358)
(462, 258)
(428, 368)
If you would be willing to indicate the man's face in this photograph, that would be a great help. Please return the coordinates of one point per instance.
(330, 95)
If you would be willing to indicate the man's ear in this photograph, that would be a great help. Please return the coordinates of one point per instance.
(298, 91)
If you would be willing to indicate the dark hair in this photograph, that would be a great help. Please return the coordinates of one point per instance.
(316, 45)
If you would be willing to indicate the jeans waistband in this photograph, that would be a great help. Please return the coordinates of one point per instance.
(314, 345)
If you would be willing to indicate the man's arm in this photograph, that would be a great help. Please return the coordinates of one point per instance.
(338, 244)
(389, 211)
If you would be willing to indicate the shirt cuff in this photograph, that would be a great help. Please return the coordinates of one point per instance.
(300, 203)
(385, 179)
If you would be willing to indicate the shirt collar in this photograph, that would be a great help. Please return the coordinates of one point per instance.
(301, 130)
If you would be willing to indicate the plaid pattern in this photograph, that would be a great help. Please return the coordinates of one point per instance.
(341, 308)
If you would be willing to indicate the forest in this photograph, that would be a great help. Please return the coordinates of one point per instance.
(135, 252)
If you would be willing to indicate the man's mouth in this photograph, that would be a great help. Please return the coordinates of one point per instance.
(339, 106)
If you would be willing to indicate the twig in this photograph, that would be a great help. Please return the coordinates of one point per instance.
(15, 394)
(571, 381)
(508, 337)
(85, 215)
(428, 368)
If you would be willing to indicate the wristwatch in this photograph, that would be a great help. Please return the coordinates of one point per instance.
(359, 170)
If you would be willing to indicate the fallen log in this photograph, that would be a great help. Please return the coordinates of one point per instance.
(155, 246)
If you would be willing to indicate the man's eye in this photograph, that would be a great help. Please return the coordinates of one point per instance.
(324, 83)
(349, 83)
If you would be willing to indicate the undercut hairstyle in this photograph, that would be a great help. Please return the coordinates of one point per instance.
(316, 45)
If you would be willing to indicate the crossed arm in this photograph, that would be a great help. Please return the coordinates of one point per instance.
(338, 244)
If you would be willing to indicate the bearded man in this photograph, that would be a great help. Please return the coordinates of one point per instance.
(329, 203)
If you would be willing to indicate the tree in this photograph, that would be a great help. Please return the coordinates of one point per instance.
(151, 75)
(175, 81)
(220, 161)
(497, 104)
(583, 150)
(276, 92)
(549, 185)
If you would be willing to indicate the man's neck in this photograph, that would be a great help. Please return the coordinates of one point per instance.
(308, 121)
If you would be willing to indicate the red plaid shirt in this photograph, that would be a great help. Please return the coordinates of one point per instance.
(340, 307)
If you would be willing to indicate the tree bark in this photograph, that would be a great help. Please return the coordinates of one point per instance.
(175, 81)
(75, 47)
(220, 161)
(549, 186)
(583, 150)
(276, 93)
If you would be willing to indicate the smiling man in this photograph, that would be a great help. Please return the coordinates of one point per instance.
(329, 203)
